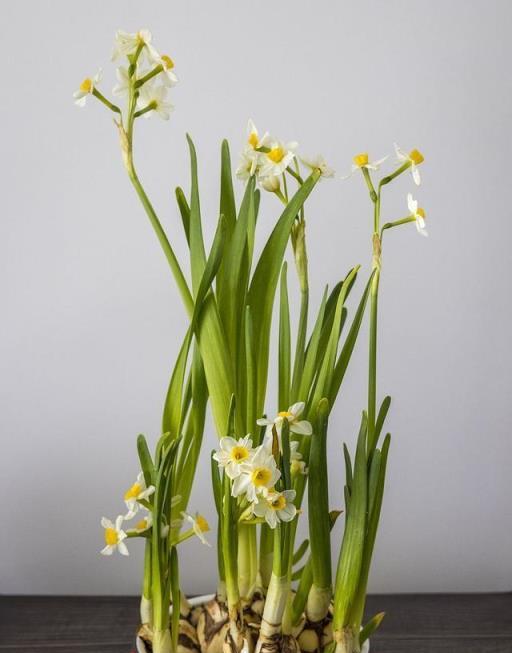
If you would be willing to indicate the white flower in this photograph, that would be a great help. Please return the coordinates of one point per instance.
(277, 159)
(233, 453)
(137, 492)
(86, 88)
(258, 475)
(301, 427)
(253, 139)
(275, 507)
(418, 213)
(126, 44)
(144, 524)
(123, 82)
(297, 465)
(319, 163)
(199, 526)
(249, 163)
(415, 157)
(168, 77)
(155, 96)
(362, 161)
(114, 537)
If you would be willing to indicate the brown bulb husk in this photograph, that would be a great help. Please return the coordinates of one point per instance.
(187, 639)
(212, 626)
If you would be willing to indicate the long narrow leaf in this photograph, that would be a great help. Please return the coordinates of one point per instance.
(264, 281)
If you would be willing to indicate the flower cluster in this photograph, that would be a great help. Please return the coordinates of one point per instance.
(254, 472)
(406, 160)
(145, 79)
(138, 503)
(267, 158)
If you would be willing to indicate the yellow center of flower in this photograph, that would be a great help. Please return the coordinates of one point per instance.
(285, 413)
(167, 62)
(203, 525)
(133, 492)
(111, 537)
(361, 160)
(421, 213)
(239, 453)
(142, 525)
(276, 154)
(253, 139)
(416, 157)
(86, 85)
(296, 466)
(279, 503)
(261, 476)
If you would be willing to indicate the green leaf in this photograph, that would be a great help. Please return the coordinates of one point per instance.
(348, 467)
(197, 251)
(227, 196)
(284, 344)
(325, 374)
(174, 578)
(146, 462)
(173, 413)
(232, 285)
(184, 212)
(301, 552)
(310, 363)
(285, 460)
(263, 285)
(357, 609)
(250, 368)
(370, 627)
(349, 344)
(351, 554)
(318, 500)
(381, 417)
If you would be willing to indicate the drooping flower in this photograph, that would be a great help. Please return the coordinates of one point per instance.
(86, 88)
(155, 97)
(415, 157)
(199, 526)
(126, 44)
(275, 507)
(278, 158)
(233, 453)
(418, 213)
(114, 536)
(319, 163)
(137, 492)
(259, 475)
(301, 427)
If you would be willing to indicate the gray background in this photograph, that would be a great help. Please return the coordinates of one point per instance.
(91, 319)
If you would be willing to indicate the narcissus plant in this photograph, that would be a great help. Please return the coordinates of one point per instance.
(274, 593)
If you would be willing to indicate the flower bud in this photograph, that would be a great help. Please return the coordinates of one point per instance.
(271, 183)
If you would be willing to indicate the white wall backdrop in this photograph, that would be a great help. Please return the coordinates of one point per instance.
(91, 320)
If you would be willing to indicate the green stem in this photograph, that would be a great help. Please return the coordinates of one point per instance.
(152, 73)
(372, 371)
(107, 103)
(127, 143)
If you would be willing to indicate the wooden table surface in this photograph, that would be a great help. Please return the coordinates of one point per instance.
(415, 623)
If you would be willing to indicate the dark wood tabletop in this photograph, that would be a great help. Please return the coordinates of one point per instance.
(414, 623)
